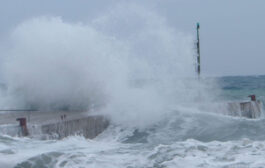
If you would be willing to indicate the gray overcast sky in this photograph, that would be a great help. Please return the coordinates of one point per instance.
(232, 31)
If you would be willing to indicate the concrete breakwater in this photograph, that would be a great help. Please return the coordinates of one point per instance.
(60, 124)
(89, 127)
(250, 109)
(52, 124)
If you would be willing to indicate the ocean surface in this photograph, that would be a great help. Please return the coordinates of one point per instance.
(184, 138)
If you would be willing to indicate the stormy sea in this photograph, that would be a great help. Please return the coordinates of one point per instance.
(133, 67)
(183, 137)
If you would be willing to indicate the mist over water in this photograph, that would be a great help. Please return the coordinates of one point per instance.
(127, 62)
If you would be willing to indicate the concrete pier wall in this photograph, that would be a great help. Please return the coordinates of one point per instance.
(50, 125)
(89, 127)
(47, 125)
(251, 109)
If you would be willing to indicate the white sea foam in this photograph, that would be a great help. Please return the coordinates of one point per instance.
(132, 70)
(128, 64)
(79, 152)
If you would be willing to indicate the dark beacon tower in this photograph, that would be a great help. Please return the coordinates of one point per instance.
(198, 67)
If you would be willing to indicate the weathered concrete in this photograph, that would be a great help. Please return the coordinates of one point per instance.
(250, 109)
(58, 124)
(89, 127)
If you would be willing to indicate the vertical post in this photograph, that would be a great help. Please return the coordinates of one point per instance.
(23, 125)
(198, 68)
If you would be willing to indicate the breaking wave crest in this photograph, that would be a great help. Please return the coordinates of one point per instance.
(181, 136)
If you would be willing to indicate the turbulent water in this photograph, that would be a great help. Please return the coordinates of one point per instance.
(184, 137)
(130, 64)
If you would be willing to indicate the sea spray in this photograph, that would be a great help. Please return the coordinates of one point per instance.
(56, 64)
(129, 64)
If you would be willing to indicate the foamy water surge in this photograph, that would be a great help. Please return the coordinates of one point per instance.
(132, 66)
(179, 141)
